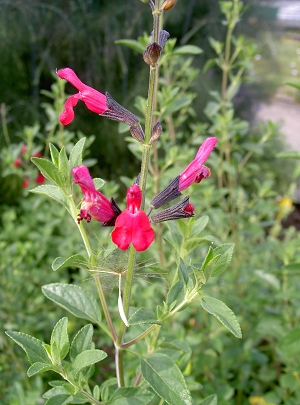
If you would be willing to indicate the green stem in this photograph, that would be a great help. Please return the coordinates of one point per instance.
(91, 398)
(143, 181)
(111, 331)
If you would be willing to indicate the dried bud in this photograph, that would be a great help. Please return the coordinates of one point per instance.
(152, 53)
(168, 4)
(183, 209)
(156, 132)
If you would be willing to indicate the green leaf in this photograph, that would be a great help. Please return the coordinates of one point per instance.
(187, 49)
(216, 45)
(76, 154)
(75, 260)
(177, 104)
(211, 400)
(60, 337)
(165, 378)
(223, 314)
(82, 341)
(192, 243)
(143, 315)
(52, 192)
(99, 183)
(63, 166)
(290, 344)
(200, 224)
(183, 273)
(49, 170)
(130, 396)
(293, 154)
(199, 275)
(39, 368)
(174, 251)
(60, 388)
(176, 294)
(132, 44)
(226, 252)
(75, 300)
(87, 358)
(54, 152)
(269, 278)
(296, 85)
(62, 399)
(33, 347)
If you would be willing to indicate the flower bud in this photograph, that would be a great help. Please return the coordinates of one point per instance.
(152, 53)
(156, 132)
(137, 133)
(168, 4)
(183, 209)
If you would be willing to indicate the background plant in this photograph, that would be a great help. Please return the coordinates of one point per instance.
(261, 287)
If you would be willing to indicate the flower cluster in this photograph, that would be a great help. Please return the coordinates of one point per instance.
(133, 225)
(22, 162)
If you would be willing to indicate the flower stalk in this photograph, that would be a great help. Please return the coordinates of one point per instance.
(143, 181)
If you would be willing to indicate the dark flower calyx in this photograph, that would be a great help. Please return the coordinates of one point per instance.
(156, 132)
(168, 194)
(152, 53)
(183, 209)
(163, 35)
(116, 211)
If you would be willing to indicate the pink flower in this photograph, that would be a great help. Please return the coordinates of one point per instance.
(17, 162)
(196, 171)
(94, 204)
(40, 179)
(133, 225)
(93, 99)
(25, 183)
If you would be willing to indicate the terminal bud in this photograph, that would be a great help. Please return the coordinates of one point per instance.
(168, 4)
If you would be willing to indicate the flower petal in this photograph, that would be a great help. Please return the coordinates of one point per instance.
(142, 233)
(67, 116)
(122, 234)
(93, 99)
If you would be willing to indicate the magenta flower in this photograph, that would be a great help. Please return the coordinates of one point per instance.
(196, 171)
(98, 103)
(133, 225)
(94, 204)
(93, 99)
(193, 173)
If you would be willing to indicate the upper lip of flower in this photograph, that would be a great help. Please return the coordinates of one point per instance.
(195, 171)
(93, 99)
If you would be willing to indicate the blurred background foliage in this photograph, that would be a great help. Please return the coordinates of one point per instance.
(262, 286)
(40, 36)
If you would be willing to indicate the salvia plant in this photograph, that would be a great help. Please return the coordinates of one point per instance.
(139, 335)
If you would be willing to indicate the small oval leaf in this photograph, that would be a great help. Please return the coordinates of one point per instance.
(165, 378)
(223, 314)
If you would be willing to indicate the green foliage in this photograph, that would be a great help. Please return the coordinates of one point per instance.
(191, 358)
